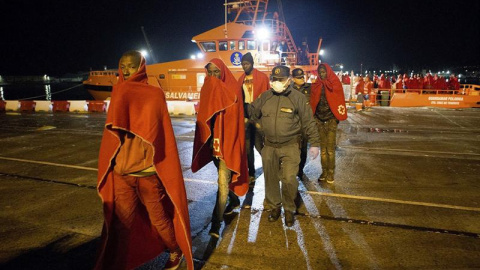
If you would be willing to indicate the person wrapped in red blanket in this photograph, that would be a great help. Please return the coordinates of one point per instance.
(328, 105)
(220, 137)
(140, 179)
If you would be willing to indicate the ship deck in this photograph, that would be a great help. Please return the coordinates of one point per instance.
(405, 196)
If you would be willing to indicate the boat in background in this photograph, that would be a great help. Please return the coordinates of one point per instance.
(264, 34)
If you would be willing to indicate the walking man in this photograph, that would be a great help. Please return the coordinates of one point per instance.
(284, 115)
(220, 137)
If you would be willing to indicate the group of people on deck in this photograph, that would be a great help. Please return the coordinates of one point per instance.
(140, 178)
(401, 83)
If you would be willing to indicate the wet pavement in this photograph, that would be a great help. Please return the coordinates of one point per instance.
(406, 195)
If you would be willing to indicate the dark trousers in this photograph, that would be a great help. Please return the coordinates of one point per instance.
(303, 155)
(253, 137)
(328, 141)
(281, 165)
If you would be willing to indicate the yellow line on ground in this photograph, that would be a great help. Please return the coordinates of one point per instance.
(408, 150)
(50, 163)
(476, 209)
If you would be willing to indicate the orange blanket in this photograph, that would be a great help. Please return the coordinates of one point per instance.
(334, 94)
(220, 98)
(141, 109)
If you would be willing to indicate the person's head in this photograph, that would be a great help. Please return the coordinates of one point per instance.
(322, 72)
(298, 76)
(367, 79)
(247, 63)
(129, 63)
(214, 71)
(280, 78)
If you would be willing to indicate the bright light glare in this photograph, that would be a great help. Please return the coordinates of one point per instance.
(262, 33)
(200, 55)
(193, 56)
(144, 53)
(322, 52)
(341, 66)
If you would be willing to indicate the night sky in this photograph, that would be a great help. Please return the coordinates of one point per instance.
(59, 37)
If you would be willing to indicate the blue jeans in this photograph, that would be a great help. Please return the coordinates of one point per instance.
(224, 179)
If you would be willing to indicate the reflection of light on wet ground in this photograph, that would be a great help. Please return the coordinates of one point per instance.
(321, 230)
(355, 235)
(234, 235)
(300, 240)
(257, 204)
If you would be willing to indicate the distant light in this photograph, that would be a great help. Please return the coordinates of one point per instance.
(193, 41)
(438, 72)
(443, 71)
(366, 72)
(322, 52)
(262, 33)
(459, 75)
(200, 55)
(380, 71)
(193, 56)
(448, 71)
(144, 53)
(341, 66)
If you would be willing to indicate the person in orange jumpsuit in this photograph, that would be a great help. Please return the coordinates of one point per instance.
(220, 137)
(140, 177)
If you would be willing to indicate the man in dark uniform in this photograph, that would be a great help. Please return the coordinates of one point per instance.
(284, 115)
(300, 85)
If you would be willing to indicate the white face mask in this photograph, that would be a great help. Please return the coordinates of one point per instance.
(279, 87)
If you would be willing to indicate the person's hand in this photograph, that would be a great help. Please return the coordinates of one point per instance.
(313, 152)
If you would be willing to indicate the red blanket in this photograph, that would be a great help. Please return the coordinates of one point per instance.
(141, 109)
(261, 83)
(220, 98)
(334, 94)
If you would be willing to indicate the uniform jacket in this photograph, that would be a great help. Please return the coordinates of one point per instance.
(140, 109)
(284, 116)
(221, 99)
(305, 89)
(334, 94)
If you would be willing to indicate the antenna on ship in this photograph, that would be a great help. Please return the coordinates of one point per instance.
(148, 46)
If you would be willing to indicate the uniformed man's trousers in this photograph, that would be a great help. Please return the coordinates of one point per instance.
(281, 165)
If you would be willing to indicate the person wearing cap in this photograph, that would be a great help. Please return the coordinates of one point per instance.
(253, 83)
(284, 115)
(299, 84)
(220, 137)
(327, 101)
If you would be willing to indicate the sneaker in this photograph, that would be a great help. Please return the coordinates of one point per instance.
(234, 204)
(330, 179)
(322, 177)
(215, 230)
(174, 260)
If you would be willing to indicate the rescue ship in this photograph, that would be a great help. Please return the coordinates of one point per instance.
(253, 30)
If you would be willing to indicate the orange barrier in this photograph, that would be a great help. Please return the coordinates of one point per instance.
(96, 106)
(2, 105)
(27, 106)
(60, 106)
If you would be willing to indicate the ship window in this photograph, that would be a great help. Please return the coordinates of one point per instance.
(250, 44)
(208, 46)
(241, 45)
(232, 45)
(248, 34)
(162, 76)
(222, 46)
